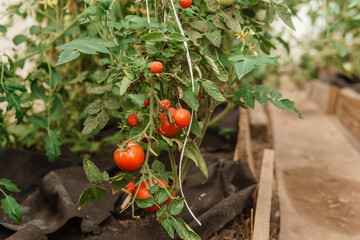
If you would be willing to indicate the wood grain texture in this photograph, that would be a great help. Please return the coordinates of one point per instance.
(263, 204)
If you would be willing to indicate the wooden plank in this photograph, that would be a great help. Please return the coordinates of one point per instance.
(243, 148)
(321, 95)
(333, 99)
(263, 204)
(259, 121)
(348, 110)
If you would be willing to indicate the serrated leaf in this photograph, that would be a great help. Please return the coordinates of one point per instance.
(190, 98)
(88, 45)
(167, 223)
(157, 166)
(100, 89)
(161, 196)
(145, 203)
(118, 184)
(103, 118)
(215, 37)
(286, 104)
(154, 188)
(193, 152)
(92, 172)
(93, 108)
(177, 37)
(231, 20)
(39, 122)
(99, 192)
(270, 12)
(7, 183)
(215, 64)
(56, 109)
(213, 5)
(153, 37)
(14, 102)
(137, 99)
(19, 39)
(94, 11)
(89, 125)
(86, 197)
(213, 90)
(10, 86)
(247, 95)
(52, 145)
(184, 231)
(11, 208)
(276, 95)
(67, 56)
(261, 93)
(195, 127)
(55, 79)
(35, 30)
(176, 206)
(111, 103)
(285, 15)
(124, 85)
(105, 3)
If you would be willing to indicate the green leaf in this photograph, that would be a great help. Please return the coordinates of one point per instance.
(99, 192)
(167, 223)
(35, 30)
(52, 145)
(276, 95)
(232, 21)
(177, 37)
(93, 108)
(213, 90)
(124, 85)
(67, 56)
(195, 127)
(86, 197)
(176, 206)
(10, 86)
(157, 166)
(94, 11)
(92, 172)
(9, 185)
(3, 29)
(55, 79)
(89, 125)
(285, 15)
(14, 102)
(215, 64)
(153, 37)
(57, 108)
(184, 231)
(261, 93)
(137, 99)
(215, 37)
(19, 39)
(11, 208)
(118, 184)
(213, 5)
(193, 152)
(38, 92)
(39, 122)
(340, 49)
(154, 188)
(286, 104)
(103, 118)
(111, 103)
(247, 95)
(105, 3)
(270, 12)
(100, 89)
(191, 99)
(161, 196)
(145, 203)
(88, 45)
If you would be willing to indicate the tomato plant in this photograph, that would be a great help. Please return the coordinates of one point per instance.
(113, 60)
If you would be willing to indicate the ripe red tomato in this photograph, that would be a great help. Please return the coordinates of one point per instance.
(143, 193)
(130, 187)
(156, 67)
(165, 103)
(132, 120)
(147, 102)
(131, 158)
(182, 118)
(185, 3)
(168, 129)
(162, 115)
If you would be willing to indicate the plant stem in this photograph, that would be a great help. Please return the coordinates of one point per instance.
(174, 171)
(224, 112)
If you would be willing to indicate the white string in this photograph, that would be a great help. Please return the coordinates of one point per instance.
(147, 11)
(192, 111)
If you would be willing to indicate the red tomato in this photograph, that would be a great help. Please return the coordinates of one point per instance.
(143, 193)
(185, 3)
(147, 102)
(132, 120)
(165, 104)
(144, 140)
(156, 67)
(131, 158)
(131, 187)
(162, 115)
(168, 129)
(182, 118)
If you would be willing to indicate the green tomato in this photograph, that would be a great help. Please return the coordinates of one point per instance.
(226, 3)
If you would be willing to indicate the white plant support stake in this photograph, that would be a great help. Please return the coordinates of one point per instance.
(147, 11)
(192, 111)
